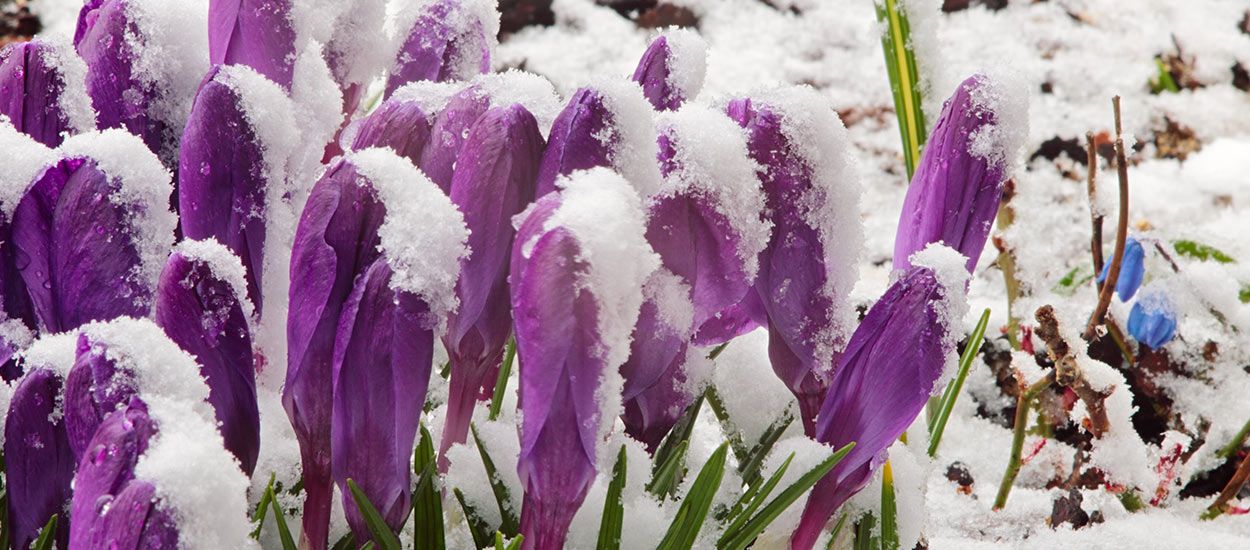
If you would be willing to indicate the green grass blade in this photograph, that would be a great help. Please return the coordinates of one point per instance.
(477, 526)
(681, 431)
(427, 503)
(741, 452)
(952, 391)
(503, 497)
(47, 535)
(382, 533)
(516, 543)
(756, 500)
(837, 530)
(788, 496)
(499, 541)
(864, 539)
(694, 508)
(613, 508)
(889, 510)
(279, 518)
(501, 381)
(900, 63)
(668, 474)
(347, 542)
(262, 508)
(750, 469)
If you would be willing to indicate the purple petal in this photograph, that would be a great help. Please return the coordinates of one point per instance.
(33, 91)
(447, 136)
(93, 389)
(654, 374)
(493, 181)
(222, 179)
(382, 362)
(860, 408)
(446, 41)
(732, 322)
(80, 265)
(575, 139)
(955, 191)
(256, 33)
(106, 466)
(401, 125)
(134, 519)
(38, 459)
(200, 311)
(651, 415)
(671, 71)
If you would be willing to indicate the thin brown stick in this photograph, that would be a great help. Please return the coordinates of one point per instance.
(1121, 234)
(1095, 241)
(1234, 486)
(1068, 372)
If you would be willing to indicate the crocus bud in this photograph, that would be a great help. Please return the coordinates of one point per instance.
(808, 267)
(107, 461)
(231, 181)
(96, 228)
(42, 91)
(880, 386)
(94, 387)
(398, 124)
(1152, 321)
(368, 205)
(28, 160)
(144, 59)
(605, 125)
(671, 71)
(443, 40)
(493, 181)
(1132, 270)
(256, 33)
(39, 464)
(955, 191)
(202, 305)
(657, 354)
(578, 263)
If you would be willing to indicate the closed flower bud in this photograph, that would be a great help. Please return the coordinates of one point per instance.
(443, 40)
(42, 91)
(256, 33)
(1152, 321)
(671, 71)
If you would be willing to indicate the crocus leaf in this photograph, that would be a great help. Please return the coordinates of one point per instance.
(680, 432)
(501, 381)
(1200, 251)
(47, 535)
(427, 504)
(516, 543)
(889, 510)
(613, 510)
(750, 468)
(753, 499)
(347, 542)
(377, 526)
(477, 525)
(667, 475)
(952, 391)
(503, 497)
(900, 61)
(694, 508)
(268, 500)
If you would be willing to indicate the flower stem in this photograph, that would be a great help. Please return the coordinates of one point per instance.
(1234, 486)
(1235, 444)
(1017, 437)
(1121, 233)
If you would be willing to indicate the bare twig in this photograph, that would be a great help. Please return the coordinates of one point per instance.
(1095, 218)
(1121, 234)
(1007, 263)
(1068, 372)
(1234, 486)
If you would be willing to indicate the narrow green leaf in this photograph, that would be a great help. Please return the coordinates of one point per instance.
(427, 502)
(952, 391)
(750, 469)
(368, 545)
(900, 62)
(613, 507)
(1163, 81)
(501, 381)
(499, 541)
(756, 500)
(262, 507)
(381, 532)
(745, 536)
(503, 498)
(837, 530)
(1199, 251)
(445, 370)
(477, 526)
(346, 542)
(741, 452)
(694, 508)
(1244, 294)
(681, 431)
(516, 543)
(279, 518)
(864, 539)
(47, 535)
(667, 475)
(889, 510)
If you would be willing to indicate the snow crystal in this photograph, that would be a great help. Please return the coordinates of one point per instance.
(533, 92)
(170, 57)
(143, 187)
(605, 215)
(671, 295)
(632, 133)
(949, 267)
(51, 351)
(429, 95)
(15, 334)
(1004, 93)
(423, 235)
(753, 396)
(358, 46)
(467, 472)
(224, 265)
(25, 161)
(712, 160)
(72, 99)
(687, 61)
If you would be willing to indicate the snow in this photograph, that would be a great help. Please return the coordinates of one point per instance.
(170, 43)
(224, 265)
(26, 162)
(430, 96)
(1003, 94)
(358, 47)
(72, 99)
(753, 396)
(144, 186)
(475, 20)
(631, 134)
(671, 295)
(423, 234)
(533, 92)
(948, 267)
(712, 161)
(687, 61)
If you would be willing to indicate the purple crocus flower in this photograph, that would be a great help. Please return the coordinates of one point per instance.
(449, 133)
(398, 124)
(365, 205)
(605, 125)
(94, 228)
(106, 465)
(201, 305)
(808, 267)
(28, 160)
(955, 191)
(256, 33)
(1152, 321)
(119, 97)
(41, 91)
(38, 460)
(671, 71)
(94, 387)
(578, 262)
(493, 181)
(657, 355)
(860, 407)
(444, 40)
(1132, 270)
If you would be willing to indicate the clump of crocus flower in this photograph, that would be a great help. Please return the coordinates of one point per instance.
(612, 239)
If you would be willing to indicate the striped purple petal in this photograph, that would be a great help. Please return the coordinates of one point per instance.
(39, 464)
(256, 33)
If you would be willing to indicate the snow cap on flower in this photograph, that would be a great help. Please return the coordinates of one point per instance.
(357, 49)
(809, 265)
(96, 228)
(879, 386)
(1152, 321)
(202, 305)
(970, 153)
(578, 264)
(443, 40)
(38, 460)
(493, 181)
(255, 33)
(605, 124)
(42, 91)
(1132, 270)
(144, 60)
(671, 71)
(368, 205)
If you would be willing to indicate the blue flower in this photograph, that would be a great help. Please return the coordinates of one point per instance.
(1152, 321)
(1132, 270)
